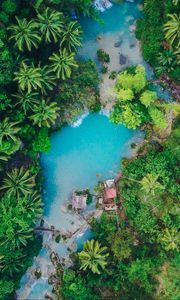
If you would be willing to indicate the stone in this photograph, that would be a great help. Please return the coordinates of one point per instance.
(122, 59)
(132, 28)
(132, 43)
(118, 43)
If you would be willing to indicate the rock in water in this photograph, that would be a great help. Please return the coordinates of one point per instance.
(118, 44)
(122, 59)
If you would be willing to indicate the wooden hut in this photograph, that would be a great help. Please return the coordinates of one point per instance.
(79, 201)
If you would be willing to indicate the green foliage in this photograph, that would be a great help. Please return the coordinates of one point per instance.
(50, 25)
(135, 103)
(62, 63)
(18, 182)
(138, 272)
(93, 256)
(129, 115)
(172, 29)
(74, 101)
(6, 288)
(25, 34)
(28, 77)
(9, 6)
(151, 39)
(44, 114)
(71, 36)
(74, 287)
(135, 82)
(42, 142)
(125, 95)
(121, 244)
(148, 97)
(103, 56)
(170, 239)
(158, 117)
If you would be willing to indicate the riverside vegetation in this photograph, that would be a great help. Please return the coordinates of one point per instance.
(41, 81)
(38, 44)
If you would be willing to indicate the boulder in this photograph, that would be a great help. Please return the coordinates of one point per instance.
(132, 28)
(122, 59)
(118, 43)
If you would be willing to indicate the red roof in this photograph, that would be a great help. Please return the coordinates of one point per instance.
(111, 193)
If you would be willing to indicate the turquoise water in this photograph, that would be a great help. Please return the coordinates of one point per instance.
(76, 157)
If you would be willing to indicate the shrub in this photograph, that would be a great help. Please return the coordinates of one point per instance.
(103, 56)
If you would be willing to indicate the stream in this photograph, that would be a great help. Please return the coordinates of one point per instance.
(90, 150)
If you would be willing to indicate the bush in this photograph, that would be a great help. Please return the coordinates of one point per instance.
(103, 56)
(104, 69)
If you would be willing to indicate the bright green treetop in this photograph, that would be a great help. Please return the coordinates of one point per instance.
(93, 256)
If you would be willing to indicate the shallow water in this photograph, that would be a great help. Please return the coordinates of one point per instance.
(76, 157)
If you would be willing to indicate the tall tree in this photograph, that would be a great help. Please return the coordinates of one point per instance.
(71, 36)
(62, 63)
(26, 100)
(25, 34)
(8, 130)
(29, 77)
(170, 239)
(93, 256)
(48, 79)
(150, 185)
(18, 182)
(172, 29)
(44, 114)
(50, 24)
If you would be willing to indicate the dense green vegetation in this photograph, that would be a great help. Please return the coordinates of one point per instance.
(38, 44)
(159, 33)
(142, 249)
(136, 101)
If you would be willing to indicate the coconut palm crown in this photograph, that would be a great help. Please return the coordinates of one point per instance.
(172, 29)
(62, 63)
(50, 24)
(44, 114)
(93, 256)
(71, 36)
(29, 77)
(25, 34)
(18, 182)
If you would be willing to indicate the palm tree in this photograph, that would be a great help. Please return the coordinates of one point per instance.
(45, 114)
(175, 2)
(170, 239)
(18, 182)
(33, 205)
(12, 262)
(92, 257)
(26, 100)
(29, 78)
(167, 61)
(150, 185)
(62, 63)
(25, 34)
(8, 131)
(71, 36)
(48, 79)
(50, 24)
(172, 29)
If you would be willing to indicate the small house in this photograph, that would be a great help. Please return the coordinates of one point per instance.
(110, 193)
(79, 201)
